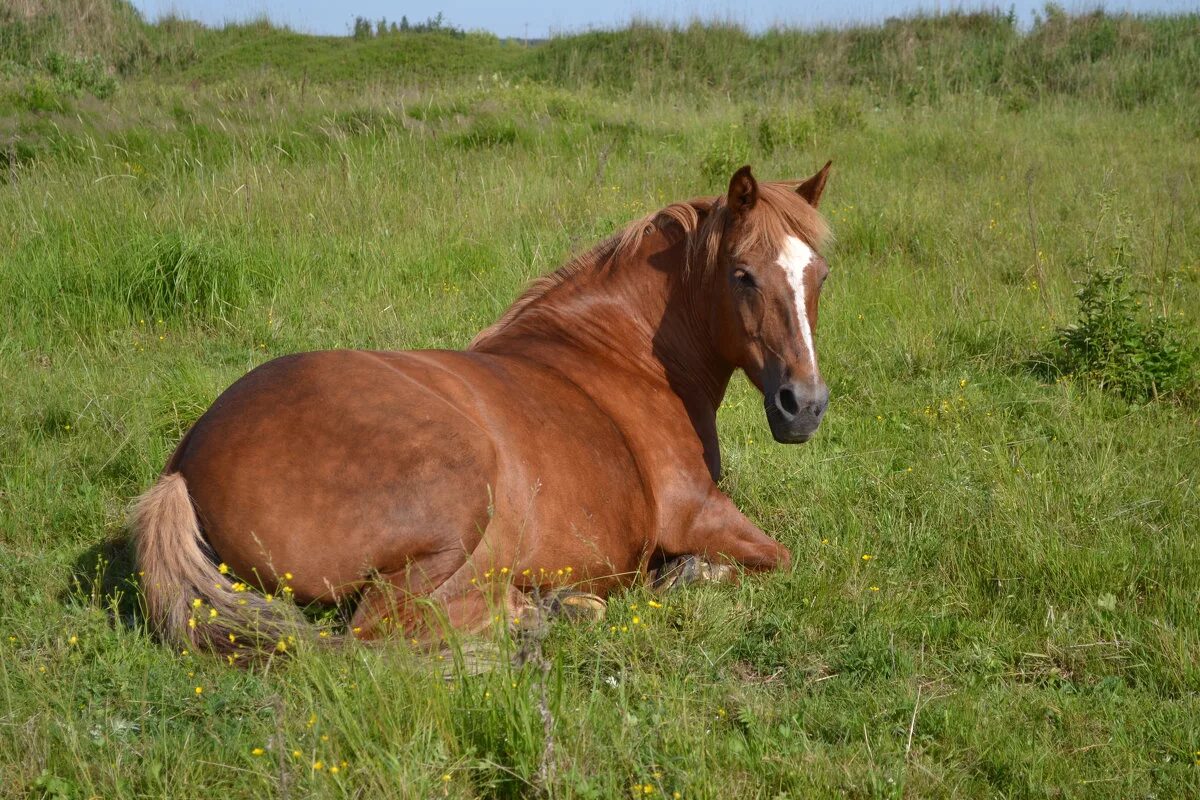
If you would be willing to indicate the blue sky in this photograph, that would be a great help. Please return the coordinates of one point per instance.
(539, 18)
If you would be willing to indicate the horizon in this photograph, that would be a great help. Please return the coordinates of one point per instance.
(539, 19)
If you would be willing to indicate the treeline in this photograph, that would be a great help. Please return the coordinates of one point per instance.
(365, 29)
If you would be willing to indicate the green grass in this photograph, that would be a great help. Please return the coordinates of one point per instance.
(1026, 626)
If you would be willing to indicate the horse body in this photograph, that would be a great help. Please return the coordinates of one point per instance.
(341, 466)
(573, 443)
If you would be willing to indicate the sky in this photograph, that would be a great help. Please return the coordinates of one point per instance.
(541, 18)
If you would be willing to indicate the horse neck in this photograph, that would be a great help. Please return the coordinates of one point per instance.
(645, 315)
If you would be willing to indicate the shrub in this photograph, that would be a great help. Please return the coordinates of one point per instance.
(75, 76)
(1119, 345)
(39, 94)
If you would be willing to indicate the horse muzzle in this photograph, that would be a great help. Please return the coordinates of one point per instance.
(794, 410)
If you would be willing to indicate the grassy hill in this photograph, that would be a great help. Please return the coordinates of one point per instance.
(1125, 60)
(180, 204)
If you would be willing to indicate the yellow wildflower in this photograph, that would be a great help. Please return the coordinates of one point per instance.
(223, 568)
(199, 690)
(258, 751)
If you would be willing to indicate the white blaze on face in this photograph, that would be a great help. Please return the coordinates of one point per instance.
(795, 259)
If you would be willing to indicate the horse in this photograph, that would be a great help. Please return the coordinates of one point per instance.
(571, 448)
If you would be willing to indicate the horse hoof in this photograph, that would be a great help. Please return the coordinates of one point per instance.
(576, 606)
(689, 569)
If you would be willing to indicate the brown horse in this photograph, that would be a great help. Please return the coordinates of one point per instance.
(573, 444)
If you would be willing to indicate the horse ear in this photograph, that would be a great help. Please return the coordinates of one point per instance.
(743, 191)
(811, 189)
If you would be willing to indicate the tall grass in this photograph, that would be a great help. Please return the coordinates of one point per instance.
(1025, 625)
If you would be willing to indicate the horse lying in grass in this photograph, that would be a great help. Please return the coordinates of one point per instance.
(571, 448)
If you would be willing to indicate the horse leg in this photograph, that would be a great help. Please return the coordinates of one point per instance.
(720, 539)
(427, 608)
(393, 601)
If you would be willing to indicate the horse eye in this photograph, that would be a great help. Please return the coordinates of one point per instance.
(744, 278)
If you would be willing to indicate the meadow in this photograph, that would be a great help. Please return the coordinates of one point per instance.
(996, 565)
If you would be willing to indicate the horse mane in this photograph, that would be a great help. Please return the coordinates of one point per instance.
(779, 213)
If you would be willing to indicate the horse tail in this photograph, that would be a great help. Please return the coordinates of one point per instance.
(189, 601)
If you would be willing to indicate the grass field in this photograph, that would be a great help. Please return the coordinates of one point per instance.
(997, 563)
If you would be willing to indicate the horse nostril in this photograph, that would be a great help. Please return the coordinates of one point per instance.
(786, 400)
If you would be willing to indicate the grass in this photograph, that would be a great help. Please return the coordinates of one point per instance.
(1026, 623)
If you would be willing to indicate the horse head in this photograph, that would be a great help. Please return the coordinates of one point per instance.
(765, 277)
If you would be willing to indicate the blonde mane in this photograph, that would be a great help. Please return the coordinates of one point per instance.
(779, 213)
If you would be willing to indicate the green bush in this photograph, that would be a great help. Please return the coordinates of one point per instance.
(74, 76)
(1119, 345)
(38, 93)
